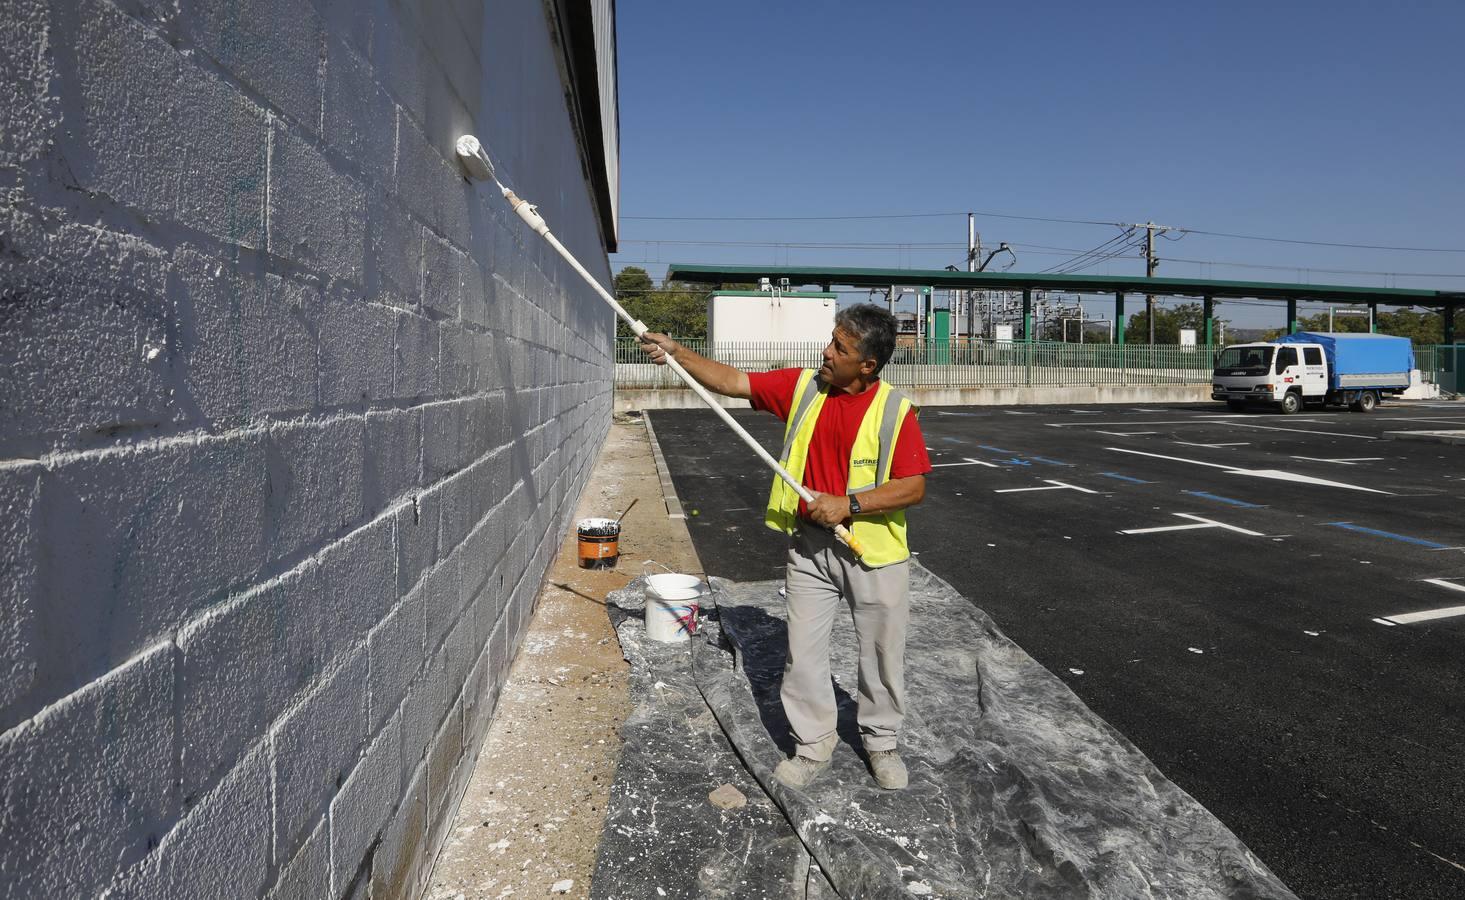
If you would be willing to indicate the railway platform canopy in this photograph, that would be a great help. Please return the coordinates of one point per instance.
(1119, 286)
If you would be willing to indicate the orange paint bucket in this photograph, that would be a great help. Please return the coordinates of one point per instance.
(599, 543)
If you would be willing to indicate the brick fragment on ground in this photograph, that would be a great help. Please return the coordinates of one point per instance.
(727, 797)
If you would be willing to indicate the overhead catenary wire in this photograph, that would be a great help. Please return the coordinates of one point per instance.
(1115, 246)
(1037, 249)
(1052, 219)
(839, 218)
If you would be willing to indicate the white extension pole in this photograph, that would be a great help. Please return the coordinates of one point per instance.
(530, 214)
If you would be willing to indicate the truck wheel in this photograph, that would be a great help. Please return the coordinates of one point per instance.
(1291, 403)
(1366, 402)
(1236, 405)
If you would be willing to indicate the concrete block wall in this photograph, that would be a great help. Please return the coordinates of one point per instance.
(292, 419)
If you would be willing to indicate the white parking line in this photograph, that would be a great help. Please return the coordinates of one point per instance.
(1056, 486)
(1366, 437)
(1427, 615)
(1200, 522)
(967, 461)
(1194, 462)
(1221, 525)
(1164, 528)
(1130, 423)
(1246, 416)
(1274, 474)
(1126, 433)
(1423, 418)
(1343, 462)
(1214, 446)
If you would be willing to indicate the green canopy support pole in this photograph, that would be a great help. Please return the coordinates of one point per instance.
(1291, 315)
(1208, 313)
(1449, 313)
(1027, 315)
(1373, 317)
(1119, 316)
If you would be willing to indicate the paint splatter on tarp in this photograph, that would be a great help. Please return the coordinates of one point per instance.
(662, 837)
(1017, 789)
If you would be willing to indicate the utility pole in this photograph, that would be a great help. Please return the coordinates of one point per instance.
(973, 250)
(1150, 265)
(973, 255)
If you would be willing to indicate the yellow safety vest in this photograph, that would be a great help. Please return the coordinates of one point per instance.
(881, 534)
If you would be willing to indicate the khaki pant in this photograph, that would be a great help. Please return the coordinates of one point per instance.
(821, 573)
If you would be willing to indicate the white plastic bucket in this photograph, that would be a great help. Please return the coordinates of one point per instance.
(671, 606)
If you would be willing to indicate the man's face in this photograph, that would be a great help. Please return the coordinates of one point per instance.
(842, 360)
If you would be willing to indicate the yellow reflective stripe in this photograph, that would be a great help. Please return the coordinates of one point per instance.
(804, 399)
(891, 419)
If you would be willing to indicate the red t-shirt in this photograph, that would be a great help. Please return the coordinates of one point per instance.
(827, 468)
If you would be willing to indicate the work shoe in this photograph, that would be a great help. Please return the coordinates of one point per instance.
(797, 771)
(888, 769)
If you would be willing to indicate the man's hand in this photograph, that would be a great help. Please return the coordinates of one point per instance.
(829, 510)
(659, 347)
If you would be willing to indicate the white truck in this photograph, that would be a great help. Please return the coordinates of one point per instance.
(1314, 367)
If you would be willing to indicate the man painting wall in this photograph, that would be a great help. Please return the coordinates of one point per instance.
(856, 444)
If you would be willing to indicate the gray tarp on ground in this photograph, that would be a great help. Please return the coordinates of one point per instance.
(661, 837)
(1017, 789)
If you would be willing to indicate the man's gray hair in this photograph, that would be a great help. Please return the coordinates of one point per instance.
(873, 329)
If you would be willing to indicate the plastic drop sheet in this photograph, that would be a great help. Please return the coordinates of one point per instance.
(1017, 789)
(662, 837)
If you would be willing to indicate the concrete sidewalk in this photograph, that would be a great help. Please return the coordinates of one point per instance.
(532, 813)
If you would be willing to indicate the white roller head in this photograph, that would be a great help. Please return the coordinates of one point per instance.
(475, 160)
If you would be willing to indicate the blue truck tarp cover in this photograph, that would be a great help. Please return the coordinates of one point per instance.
(1359, 354)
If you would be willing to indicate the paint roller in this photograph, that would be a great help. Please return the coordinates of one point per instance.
(480, 167)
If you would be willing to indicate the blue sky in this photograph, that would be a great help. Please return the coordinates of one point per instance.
(1328, 121)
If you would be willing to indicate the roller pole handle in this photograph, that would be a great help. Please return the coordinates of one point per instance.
(530, 214)
(844, 534)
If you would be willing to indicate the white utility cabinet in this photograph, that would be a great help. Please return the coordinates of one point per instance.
(735, 317)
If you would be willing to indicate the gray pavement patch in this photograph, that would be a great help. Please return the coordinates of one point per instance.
(1017, 788)
(1435, 437)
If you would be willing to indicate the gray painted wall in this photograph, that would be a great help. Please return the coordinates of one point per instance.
(292, 418)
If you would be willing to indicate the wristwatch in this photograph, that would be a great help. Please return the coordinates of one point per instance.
(854, 505)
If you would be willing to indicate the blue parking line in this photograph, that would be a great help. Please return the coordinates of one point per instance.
(1051, 462)
(995, 449)
(1126, 478)
(1388, 534)
(1220, 499)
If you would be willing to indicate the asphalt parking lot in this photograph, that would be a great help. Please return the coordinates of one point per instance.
(1272, 608)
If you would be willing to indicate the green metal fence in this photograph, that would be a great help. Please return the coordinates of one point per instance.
(999, 363)
(955, 364)
(1442, 364)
